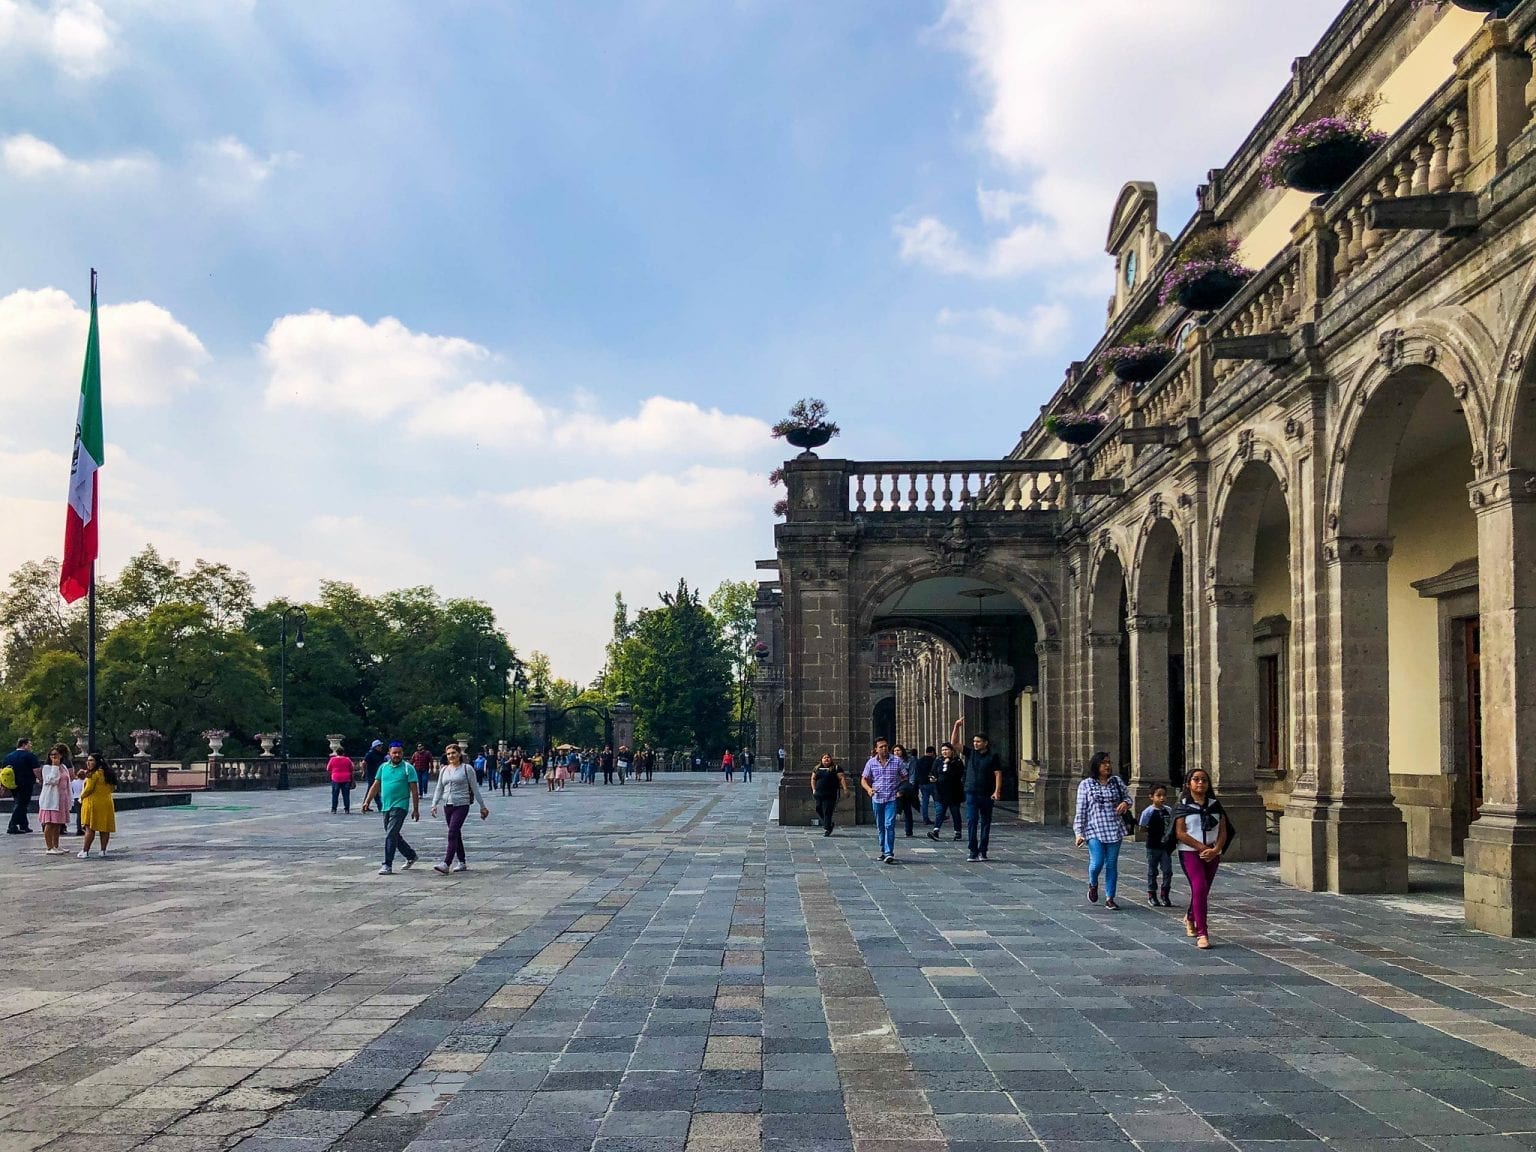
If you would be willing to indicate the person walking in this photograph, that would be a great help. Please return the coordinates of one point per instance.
(421, 761)
(948, 789)
(1102, 802)
(339, 768)
(906, 795)
(746, 766)
(728, 766)
(1204, 831)
(25, 764)
(1162, 839)
(827, 784)
(394, 787)
(623, 761)
(458, 786)
(98, 815)
(922, 776)
(882, 776)
(605, 762)
(53, 798)
(983, 788)
(375, 756)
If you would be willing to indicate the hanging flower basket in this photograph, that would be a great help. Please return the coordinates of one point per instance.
(1076, 428)
(1143, 355)
(1207, 274)
(1321, 155)
(1499, 8)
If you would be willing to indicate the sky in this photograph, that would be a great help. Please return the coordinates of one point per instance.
(502, 296)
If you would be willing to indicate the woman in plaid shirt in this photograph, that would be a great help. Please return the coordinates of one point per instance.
(1102, 802)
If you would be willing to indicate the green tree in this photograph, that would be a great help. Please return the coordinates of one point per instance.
(675, 668)
(734, 605)
(34, 620)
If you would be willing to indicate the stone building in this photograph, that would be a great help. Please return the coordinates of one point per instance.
(1303, 556)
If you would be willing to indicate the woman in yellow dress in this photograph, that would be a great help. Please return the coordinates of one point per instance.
(97, 814)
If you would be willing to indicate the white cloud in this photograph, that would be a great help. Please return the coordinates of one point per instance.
(27, 157)
(1081, 98)
(76, 36)
(342, 365)
(693, 499)
(995, 339)
(147, 355)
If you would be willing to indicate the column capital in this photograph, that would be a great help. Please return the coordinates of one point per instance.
(1148, 622)
(1357, 549)
(1102, 639)
(1512, 486)
(1230, 595)
(1047, 647)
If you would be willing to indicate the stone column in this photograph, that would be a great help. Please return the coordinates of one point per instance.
(1500, 849)
(1103, 653)
(1054, 795)
(1149, 702)
(1235, 677)
(1364, 837)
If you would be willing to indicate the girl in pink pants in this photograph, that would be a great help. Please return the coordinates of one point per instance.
(1203, 831)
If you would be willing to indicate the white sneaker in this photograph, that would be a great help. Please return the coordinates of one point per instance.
(384, 869)
(461, 867)
(443, 868)
(406, 867)
(82, 855)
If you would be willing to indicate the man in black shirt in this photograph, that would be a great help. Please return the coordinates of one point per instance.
(924, 780)
(375, 756)
(827, 784)
(983, 787)
(25, 764)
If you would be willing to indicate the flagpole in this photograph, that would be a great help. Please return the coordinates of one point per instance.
(90, 620)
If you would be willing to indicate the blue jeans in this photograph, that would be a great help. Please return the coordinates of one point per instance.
(928, 797)
(342, 792)
(1104, 856)
(885, 821)
(978, 821)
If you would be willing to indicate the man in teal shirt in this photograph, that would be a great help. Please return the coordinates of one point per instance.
(396, 790)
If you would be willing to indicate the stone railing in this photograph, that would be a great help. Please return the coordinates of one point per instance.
(957, 486)
(1173, 395)
(1429, 155)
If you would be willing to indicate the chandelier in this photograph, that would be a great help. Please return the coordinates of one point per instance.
(983, 674)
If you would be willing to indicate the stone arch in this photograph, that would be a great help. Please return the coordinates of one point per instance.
(1156, 626)
(1239, 504)
(1023, 585)
(1159, 544)
(1108, 658)
(1106, 590)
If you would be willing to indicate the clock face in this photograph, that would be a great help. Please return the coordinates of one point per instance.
(1130, 269)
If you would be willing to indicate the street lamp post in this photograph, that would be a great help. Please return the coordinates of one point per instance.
(519, 682)
(300, 618)
(509, 674)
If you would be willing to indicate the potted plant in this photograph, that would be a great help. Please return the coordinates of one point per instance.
(141, 740)
(1321, 155)
(216, 738)
(1076, 428)
(806, 426)
(781, 506)
(1140, 355)
(1206, 274)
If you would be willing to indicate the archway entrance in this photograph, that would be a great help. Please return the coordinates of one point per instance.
(1253, 732)
(1155, 624)
(1109, 663)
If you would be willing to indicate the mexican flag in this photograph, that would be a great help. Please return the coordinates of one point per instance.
(84, 507)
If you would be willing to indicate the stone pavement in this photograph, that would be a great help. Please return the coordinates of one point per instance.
(658, 968)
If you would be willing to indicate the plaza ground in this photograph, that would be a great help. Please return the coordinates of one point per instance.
(660, 967)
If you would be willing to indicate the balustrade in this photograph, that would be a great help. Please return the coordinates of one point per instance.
(959, 486)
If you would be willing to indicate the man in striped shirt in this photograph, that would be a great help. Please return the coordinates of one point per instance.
(883, 776)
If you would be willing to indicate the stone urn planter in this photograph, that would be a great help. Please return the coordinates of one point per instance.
(141, 738)
(268, 741)
(334, 739)
(215, 738)
(808, 439)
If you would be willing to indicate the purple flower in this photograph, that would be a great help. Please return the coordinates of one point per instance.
(1350, 126)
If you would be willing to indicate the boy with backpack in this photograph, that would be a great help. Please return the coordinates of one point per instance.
(1157, 819)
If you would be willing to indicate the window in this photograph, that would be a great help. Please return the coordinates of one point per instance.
(1271, 704)
(1472, 728)
(1130, 269)
(1186, 330)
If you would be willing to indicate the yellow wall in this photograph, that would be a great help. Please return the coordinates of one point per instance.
(1432, 528)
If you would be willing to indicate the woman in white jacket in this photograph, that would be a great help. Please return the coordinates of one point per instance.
(457, 788)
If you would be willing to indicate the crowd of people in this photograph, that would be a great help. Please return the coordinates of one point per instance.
(940, 783)
(63, 790)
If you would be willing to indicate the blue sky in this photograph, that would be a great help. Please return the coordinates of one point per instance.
(501, 296)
